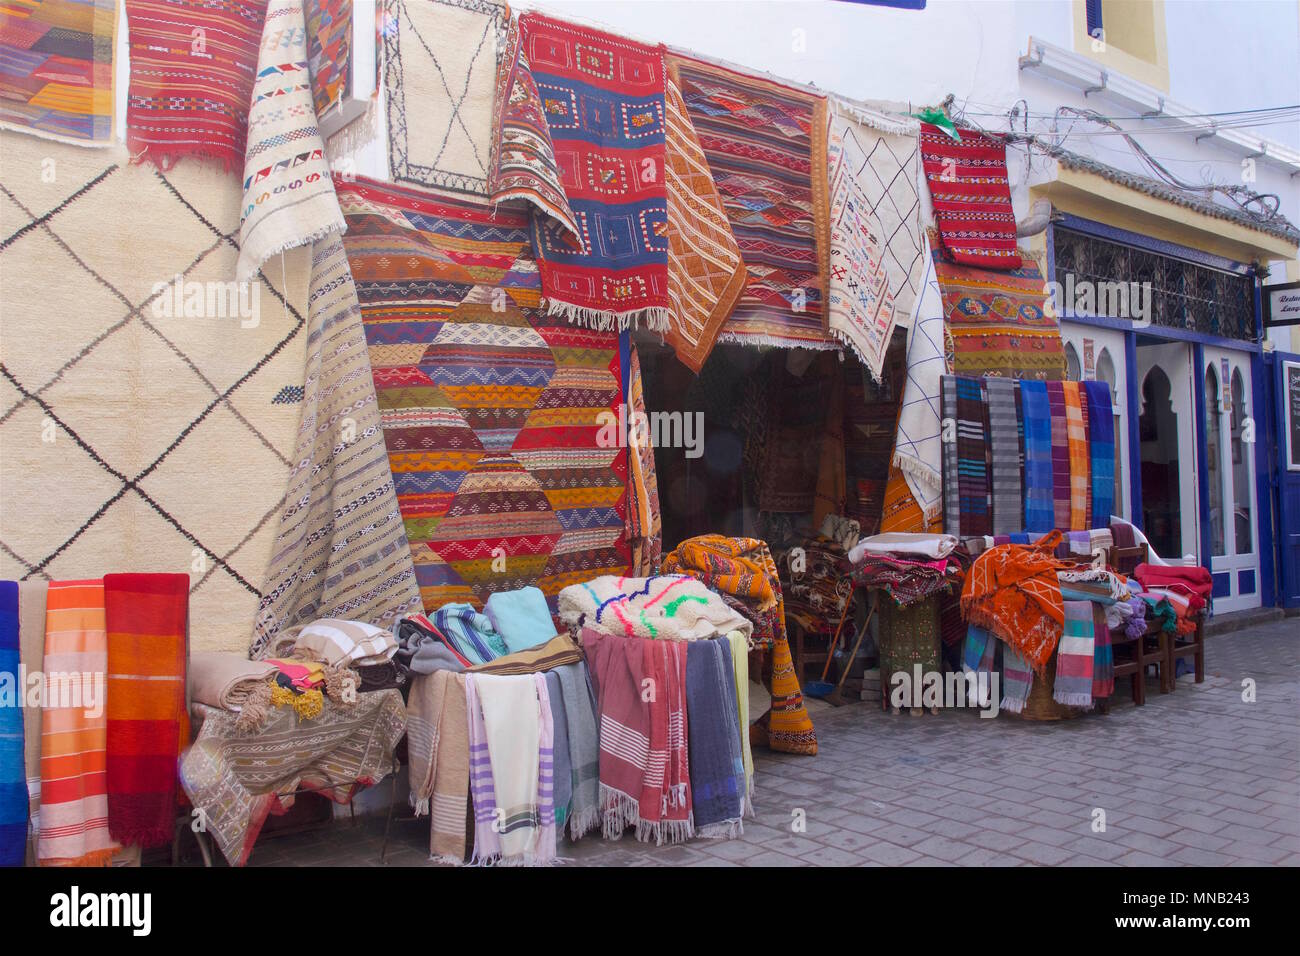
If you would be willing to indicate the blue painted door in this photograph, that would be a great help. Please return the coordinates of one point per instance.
(1286, 389)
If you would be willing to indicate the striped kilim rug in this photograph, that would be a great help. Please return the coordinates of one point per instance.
(490, 410)
(133, 438)
(766, 147)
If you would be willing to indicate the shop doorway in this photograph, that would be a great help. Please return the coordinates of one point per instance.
(1094, 354)
(1166, 435)
(1230, 473)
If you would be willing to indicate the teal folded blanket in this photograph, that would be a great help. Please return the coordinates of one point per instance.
(521, 618)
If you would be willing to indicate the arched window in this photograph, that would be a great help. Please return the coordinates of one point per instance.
(1243, 520)
(1073, 369)
(1214, 468)
(1106, 373)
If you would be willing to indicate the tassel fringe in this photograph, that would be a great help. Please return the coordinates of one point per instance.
(656, 319)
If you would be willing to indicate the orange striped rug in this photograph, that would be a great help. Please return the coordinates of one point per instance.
(74, 798)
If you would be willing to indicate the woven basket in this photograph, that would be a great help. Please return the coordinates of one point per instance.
(1040, 705)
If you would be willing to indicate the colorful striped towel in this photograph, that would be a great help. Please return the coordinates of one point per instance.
(1060, 456)
(1017, 679)
(978, 651)
(951, 498)
(469, 633)
(520, 617)
(512, 726)
(584, 748)
(972, 457)
(563, 774)
(147, 619)
(1036, 417)
(1074, 656)
(437, 736)
(1077, 446)
(717, 767)
(1101, 447)
(544, 839)
(482, 786)
(13, 785)
(740, 673)
(74, 795)
(1103, 656)
(1004, 444)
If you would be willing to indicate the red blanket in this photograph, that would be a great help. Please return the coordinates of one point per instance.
(146, 616)
(1195, 582)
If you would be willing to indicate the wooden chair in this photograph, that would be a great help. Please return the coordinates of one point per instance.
(1192, 646)
(1124, 560)
(1134, 654)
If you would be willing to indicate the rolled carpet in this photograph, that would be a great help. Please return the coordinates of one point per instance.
(146, 617)
(226, 680)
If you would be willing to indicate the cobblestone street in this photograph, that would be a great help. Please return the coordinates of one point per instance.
(1197, 777)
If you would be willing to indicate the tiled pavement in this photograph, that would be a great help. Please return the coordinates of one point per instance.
(1196, 777)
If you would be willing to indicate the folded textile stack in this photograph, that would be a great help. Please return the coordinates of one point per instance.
(1094, 584)
(813, 583)
(673, 606)
(368, 649)
(423, 649)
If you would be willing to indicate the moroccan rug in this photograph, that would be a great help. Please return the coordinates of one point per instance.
(13, 780)
(744, 569)
(1012, 590)
(908, 638)
(1076, 432)
(189, 93)
(1004, 452)
(918, 448)
(881, 153)
(146, 617)
(766, 147)
(74, 795)
(1061, 487)
(329, 51)
(1036, 416)
(675, 606)
(440, 70)
(491, 412)
(603, 98)
(58, 80)
(860, 306)
(521, 163)
(289, 198)
(971, 197)
(199, 490)
(1101, 450)
(705, 270)
(341, 550)
(237, 780)
(797, 410)
(997, 322)
(437, 738)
